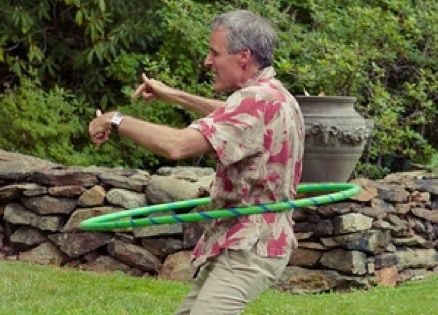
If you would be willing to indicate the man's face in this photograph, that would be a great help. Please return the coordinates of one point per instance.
(227, 69)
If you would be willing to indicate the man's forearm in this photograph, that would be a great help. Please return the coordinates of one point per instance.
(193, 102)
(159, 139)
(169, 142)
(151, 89)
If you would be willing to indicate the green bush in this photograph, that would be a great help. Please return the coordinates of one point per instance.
(383, 52)
(433, 165)
(39, 123)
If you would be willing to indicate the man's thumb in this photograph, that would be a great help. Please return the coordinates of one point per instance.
(144, 78)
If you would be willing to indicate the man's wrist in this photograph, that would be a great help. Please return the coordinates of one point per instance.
(172, 95)
(116, 120)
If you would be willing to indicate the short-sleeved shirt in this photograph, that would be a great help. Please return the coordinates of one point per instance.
(258, 138)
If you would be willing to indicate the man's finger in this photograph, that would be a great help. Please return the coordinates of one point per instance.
(147, 96)
(100, 137)
(138, 91)
(144, 78)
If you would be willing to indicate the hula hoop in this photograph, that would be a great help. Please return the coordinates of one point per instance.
(118, 220)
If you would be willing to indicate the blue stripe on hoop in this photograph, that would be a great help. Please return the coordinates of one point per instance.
(205, 215)
(265, 208)
(152, 220)
(331, 198)
(177, 218)
(235, 211)
(314, 201)
(292, 204)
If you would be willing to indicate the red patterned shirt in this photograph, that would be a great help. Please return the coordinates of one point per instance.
(258, 138)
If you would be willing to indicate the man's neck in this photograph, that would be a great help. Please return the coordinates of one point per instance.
(250, 74)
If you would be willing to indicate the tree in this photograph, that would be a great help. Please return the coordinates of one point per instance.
(382, 52)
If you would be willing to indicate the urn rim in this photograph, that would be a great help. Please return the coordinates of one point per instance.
(330, 99)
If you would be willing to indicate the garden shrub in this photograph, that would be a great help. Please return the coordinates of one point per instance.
(383, 52)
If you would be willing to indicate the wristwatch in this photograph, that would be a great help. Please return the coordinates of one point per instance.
(116, 120)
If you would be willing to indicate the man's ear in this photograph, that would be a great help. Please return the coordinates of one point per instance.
(245, 58)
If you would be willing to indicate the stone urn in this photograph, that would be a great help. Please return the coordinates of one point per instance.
(335, 137)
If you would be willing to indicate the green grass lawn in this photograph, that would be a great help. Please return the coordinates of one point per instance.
(34, 289)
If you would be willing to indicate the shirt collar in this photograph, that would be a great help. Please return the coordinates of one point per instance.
(264, 74)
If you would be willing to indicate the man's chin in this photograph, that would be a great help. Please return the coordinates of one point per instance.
(220, 88)
(217, 87)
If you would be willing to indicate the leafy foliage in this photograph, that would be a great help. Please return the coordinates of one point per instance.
(38, 122)
(383, 52)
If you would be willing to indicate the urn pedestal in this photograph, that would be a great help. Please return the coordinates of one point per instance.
(335, 137)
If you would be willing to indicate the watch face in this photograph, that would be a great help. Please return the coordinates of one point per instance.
(116, 120)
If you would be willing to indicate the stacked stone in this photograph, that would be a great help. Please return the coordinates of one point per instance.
(42, 204)
(387, 234)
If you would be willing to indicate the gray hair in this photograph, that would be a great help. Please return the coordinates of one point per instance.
(247, 30)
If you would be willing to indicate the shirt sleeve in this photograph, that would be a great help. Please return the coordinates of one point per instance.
(235, 131)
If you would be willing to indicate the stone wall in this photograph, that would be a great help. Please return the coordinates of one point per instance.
(387, 234)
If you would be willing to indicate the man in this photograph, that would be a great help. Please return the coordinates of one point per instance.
(257, 136)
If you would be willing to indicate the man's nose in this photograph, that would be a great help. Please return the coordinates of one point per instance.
(208, 61)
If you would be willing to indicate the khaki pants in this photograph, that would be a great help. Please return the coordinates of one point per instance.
(229, 281)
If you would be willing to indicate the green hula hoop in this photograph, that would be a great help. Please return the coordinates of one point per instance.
(127, 218)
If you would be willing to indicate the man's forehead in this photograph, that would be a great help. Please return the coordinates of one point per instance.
(218, 38)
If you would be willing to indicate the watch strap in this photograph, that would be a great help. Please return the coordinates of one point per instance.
(116, 120)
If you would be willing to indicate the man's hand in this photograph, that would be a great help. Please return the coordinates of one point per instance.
(100, 127)
(151, 89)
